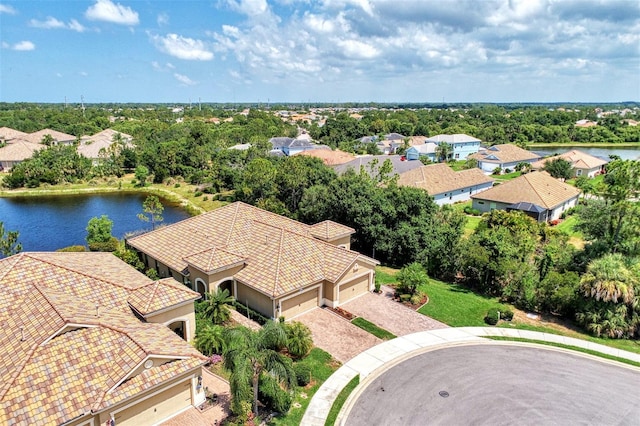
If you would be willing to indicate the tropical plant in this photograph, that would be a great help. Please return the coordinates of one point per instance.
(299, 340)
(444, 151)
(216, 306)
(9, 244)
(152, 208)
(607, 279)
(410, 277)
(210, 339)
(252, 354)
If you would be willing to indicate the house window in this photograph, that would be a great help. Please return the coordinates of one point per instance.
(480, 202)
(579, 172)
(457, 155)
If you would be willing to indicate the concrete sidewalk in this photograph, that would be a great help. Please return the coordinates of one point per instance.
(385, 355)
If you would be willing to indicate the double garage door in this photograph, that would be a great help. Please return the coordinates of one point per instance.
(353, 288)
(300, 303)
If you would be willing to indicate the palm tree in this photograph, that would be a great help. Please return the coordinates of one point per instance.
(210, 339)
(608, 279)
(444, 151)
(251, 354)
(216, 308)
(299, 340)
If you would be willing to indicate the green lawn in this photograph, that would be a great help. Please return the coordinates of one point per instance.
(506, 176)
(455, 305)
(471, 224)
(322, 366)
(567, 227)
(340, 400)
(385, 275)
(370, 327)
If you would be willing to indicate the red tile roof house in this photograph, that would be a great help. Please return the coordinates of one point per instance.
(583, 164)
(505, 156)
(275, 265)
(445, 185)
(537, 194)
(86, 340)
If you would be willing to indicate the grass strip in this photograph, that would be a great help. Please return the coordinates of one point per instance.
(573, 348)
(322, 365)
(370, 327)
(340, 400)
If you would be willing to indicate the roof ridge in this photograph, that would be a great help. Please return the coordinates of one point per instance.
(277, 277)
(544, 202)
(233, 224)
(17, 257)
(68, 268)
(33, 348)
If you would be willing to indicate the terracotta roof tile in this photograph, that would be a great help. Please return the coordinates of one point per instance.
(159, 295)
(329, 230)
(538, 188)
(578, 159)
(440, 178)
(504, 153)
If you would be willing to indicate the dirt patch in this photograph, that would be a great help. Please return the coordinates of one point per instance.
(561, 325)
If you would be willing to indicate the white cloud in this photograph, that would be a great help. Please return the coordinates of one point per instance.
(358, 49)
(182, 47)
(249, 7)
(84, 73)
(7, 9)
(52, 23)
(163, 19)
(24, 46)
(184, 79)
(106, 10)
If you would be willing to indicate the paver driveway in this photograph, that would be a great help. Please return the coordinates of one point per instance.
(336, 335)
(381, 310)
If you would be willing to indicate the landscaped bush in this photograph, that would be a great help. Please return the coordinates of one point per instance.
(111, 245)
(506, 314)
(177, 185)
(272, 395)
(73, 249)
(405, 297)
(303, 374)
(416, 299)
(197, 194)
(492, 317)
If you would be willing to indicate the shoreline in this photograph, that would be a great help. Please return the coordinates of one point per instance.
(585, 145)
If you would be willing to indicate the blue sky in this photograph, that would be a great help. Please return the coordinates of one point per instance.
(320, 51)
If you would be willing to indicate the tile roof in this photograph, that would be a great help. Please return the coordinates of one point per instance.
(329, 230)
(36, 137)
(63, 353)
(19, 150)
(537, 188)
(456, 138)
(399, 165)
(504, 153)
(328, 156)
(7, 133)
(440, 178)
(159, 295)
(281, 255)
(578, 159)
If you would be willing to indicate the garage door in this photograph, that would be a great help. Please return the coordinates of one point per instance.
(353, 288)
(158, 407)
(300, 303)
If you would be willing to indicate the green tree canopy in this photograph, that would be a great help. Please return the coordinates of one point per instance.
(99, 229)
(559, 168)
(152, 211)
(9, 244)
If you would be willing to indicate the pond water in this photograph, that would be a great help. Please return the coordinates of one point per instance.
(628, 153)
(48, 223)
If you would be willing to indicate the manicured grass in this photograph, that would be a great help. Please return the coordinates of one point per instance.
(573, 348)
(507, 176)
(340, 400)
(460, 206)
(471, 224)
(370, 327)
(322, 365)
(386, 275)
(455, 305)
(623, 344)
(567, 225)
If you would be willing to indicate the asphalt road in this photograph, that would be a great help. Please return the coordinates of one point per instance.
(500, 385)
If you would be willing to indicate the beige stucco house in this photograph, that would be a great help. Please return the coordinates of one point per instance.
(275, 265)
(583, 164)
(537, 194)
(88, 340)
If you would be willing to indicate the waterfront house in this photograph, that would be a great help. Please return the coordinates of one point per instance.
(505, 156)
(463, 145)
(582, 163)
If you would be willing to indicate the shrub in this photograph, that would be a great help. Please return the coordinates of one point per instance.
(205, 198)
(467, 209)
(303, 374)
(492, 317)
(506, 314)
(73, 249)
(475, 212)
(497, 171)
(376, 286)
(272, 395)
(405, 297)
(110, 246)
(507, 170)
(416, 299)
(197, 194)
(299, 340)
(177, 185)
(410, 277)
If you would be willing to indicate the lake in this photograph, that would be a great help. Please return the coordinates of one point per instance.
(47, 223)
(627, 153)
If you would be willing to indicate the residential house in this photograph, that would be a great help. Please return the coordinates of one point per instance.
(88, 340)
(445, 185)
(583, 164)
(93, 147)
(274, 265)
(290, 146)
(586, 123)
(426, 150)
(391, 142)
(537, 194)
(15, 152)
(506, 156)
(58, 138)
(463, 145)
(7, 134)
(372, 163)
(329, 157)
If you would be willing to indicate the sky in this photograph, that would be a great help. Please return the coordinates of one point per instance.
(301, 51)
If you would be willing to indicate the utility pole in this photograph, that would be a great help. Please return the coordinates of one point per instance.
(82, 103)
